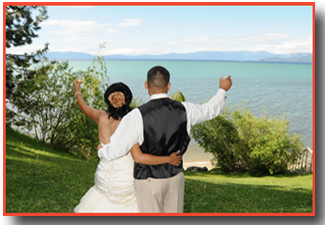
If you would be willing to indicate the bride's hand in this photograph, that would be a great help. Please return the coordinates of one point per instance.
(175, 159)
(76, 84)
(99, 147)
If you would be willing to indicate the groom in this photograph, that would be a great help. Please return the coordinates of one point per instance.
(161, 127)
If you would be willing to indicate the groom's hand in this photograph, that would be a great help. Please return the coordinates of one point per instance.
(99, 147)
(226, 83)
(175, 158)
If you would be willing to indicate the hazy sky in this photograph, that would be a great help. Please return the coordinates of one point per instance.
(135, 30)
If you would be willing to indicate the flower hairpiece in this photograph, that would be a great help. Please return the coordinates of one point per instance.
(117, 99)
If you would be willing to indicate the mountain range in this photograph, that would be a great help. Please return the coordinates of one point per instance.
(202, 55)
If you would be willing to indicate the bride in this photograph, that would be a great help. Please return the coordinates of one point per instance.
(113, 190)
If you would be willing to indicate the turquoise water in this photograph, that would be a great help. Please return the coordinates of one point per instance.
(272, 88)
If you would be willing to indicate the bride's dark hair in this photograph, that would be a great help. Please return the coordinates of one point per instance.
(118, 112)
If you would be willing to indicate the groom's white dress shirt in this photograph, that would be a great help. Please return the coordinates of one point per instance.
(130, 130)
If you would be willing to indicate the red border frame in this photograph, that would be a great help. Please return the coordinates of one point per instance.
(154, 4)
(163, 3)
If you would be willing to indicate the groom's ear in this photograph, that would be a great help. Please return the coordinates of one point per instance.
(168, 86)
(146, 85)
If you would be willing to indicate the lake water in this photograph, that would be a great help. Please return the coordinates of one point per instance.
(272, 88)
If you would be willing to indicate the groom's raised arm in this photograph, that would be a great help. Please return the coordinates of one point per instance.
(125, 136)
(207, 111)
(199, 113)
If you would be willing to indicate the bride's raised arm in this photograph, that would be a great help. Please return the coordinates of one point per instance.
(143, 158)
(92, 113)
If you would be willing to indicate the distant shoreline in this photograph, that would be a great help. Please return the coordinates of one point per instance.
(209, 56)
(191, 60)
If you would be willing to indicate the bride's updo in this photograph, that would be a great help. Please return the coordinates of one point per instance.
(118, 97)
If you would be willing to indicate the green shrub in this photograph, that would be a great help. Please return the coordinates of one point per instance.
(81, 135)
(243, 142)
(219, 137)
(46, 106)
(178, 96)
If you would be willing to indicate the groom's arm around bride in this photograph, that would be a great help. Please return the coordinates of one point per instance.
(161, 126)
(129, 131)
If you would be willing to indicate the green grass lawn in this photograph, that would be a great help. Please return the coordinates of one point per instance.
(40, 179)
(209, 192)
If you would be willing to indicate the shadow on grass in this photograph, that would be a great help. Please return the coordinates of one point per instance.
(203, 196)
(29, 145)
(43, 180)
(243, 175)
(39, 179)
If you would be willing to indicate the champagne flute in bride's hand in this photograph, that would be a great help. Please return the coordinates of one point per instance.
(77, 84)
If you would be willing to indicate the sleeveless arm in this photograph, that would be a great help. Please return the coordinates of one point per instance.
(92, 113)
(128, 133)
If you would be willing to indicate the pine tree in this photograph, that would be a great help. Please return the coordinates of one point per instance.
(21, 28)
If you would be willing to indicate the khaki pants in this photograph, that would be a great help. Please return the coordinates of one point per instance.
(160, 195)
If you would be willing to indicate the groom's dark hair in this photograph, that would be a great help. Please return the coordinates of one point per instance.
(158, 77)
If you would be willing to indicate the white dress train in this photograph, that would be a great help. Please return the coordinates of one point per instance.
(114, 188)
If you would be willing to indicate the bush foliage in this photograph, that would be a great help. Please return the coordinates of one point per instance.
(243, 142)
(46, 105)
(178, 96)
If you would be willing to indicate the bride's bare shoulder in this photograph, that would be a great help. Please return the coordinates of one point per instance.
(105, 118)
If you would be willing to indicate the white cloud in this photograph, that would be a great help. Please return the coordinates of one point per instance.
(130, 22)
(79, 36)
(288, 46)
(263, 38)
(112, 31)
(63, 27)
(125, 51)
(23, 49)
(76, 35)
(275, 43)
(82, 40)
(173, 43)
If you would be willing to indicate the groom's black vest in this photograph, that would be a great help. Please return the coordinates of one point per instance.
(164, 132)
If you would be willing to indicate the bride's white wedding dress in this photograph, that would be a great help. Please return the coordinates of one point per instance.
(113, 190)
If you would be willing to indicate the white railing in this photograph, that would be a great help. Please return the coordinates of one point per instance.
(305, 162)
